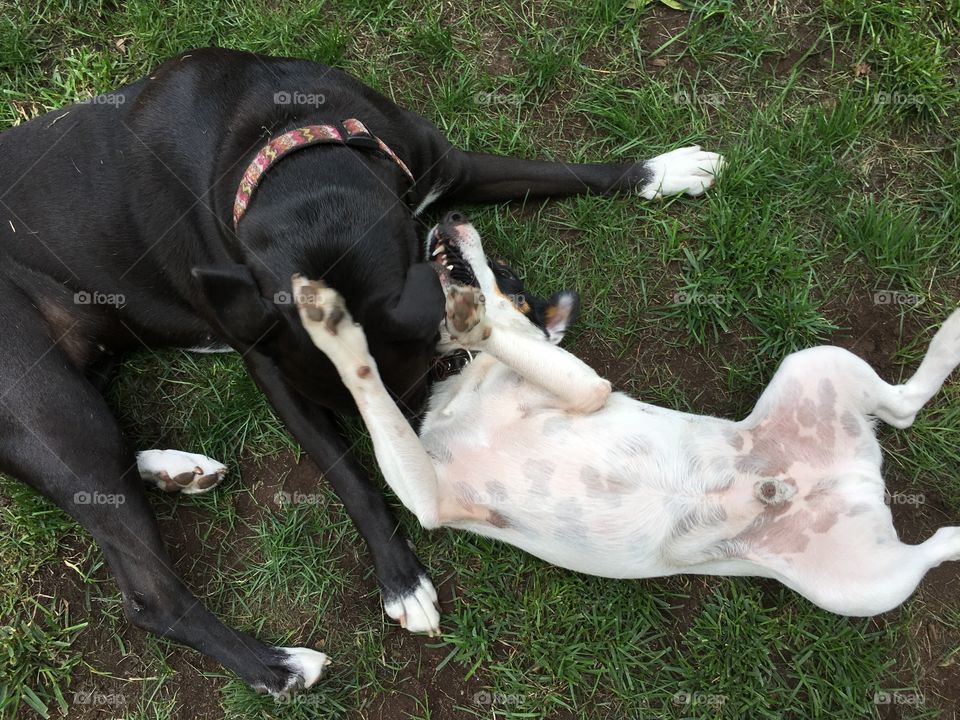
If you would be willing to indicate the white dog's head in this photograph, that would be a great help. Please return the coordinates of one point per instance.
(454, 246)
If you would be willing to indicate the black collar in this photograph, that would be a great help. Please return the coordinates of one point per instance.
(445, 366)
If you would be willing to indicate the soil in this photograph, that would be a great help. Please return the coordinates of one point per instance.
(872, 331)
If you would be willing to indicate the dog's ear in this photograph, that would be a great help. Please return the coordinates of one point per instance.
(234, 305)
(562, 311)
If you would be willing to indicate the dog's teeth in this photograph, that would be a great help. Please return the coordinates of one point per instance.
(440, 249)
(450, 267)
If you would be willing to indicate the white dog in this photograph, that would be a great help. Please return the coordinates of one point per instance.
(528, 445)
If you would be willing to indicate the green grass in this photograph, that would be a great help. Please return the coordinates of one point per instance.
(840, 126)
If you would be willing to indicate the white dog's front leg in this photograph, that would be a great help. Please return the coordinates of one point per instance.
(405, 465)
(576, 385)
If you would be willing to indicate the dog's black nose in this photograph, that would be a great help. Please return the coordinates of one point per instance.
(454, 218)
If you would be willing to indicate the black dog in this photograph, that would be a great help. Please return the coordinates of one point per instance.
(117, 233)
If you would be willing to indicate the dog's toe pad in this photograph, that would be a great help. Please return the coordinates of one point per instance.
(176, 471)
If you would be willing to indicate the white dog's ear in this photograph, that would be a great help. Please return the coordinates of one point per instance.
(562, 310)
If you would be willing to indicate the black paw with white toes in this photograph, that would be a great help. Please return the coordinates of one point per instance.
(292, 669)
(417, 609)
(687, 170)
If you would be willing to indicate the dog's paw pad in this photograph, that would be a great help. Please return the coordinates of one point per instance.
(465, 308)
(319, 303)
(176, 471)
(326, 319)
(417, 610)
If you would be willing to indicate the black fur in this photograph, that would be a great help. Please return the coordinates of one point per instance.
(134, 199)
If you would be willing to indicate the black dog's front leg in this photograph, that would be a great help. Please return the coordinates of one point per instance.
(408, 595)
(484, 178)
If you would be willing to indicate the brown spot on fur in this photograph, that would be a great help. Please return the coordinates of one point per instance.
(736, 440)
(333, 320)
(807, 413)
(486, 332)
(776, 531)
(551, 314)
(850, 425)
(315, 313)
(73, 329)
(779, 439)
(825, 521)
(498, 519)
(363, 371)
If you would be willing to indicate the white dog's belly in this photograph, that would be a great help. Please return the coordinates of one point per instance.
(636, 491)
(598, 493)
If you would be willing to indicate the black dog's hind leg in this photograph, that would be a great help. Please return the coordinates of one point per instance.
(58, 435)
(408, 595)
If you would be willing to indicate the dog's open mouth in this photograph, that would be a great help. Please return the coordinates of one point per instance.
(443, 250)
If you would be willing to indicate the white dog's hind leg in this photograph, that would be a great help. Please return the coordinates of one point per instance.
(900, 404)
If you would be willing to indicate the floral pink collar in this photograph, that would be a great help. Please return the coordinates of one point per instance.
(352, 134)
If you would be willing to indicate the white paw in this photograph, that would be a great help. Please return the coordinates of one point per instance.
(306, 666)
(465, 313)
(418, 611)
(326, 319)
(687, 170)
(172, 471)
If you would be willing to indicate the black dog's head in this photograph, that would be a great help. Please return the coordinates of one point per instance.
(257, 316)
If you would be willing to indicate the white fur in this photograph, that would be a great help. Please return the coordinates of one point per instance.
(159, 466)
(527, 445)
(432, 196)
(687, 170)
(417, 611)
(307, 664)
(210, 350)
